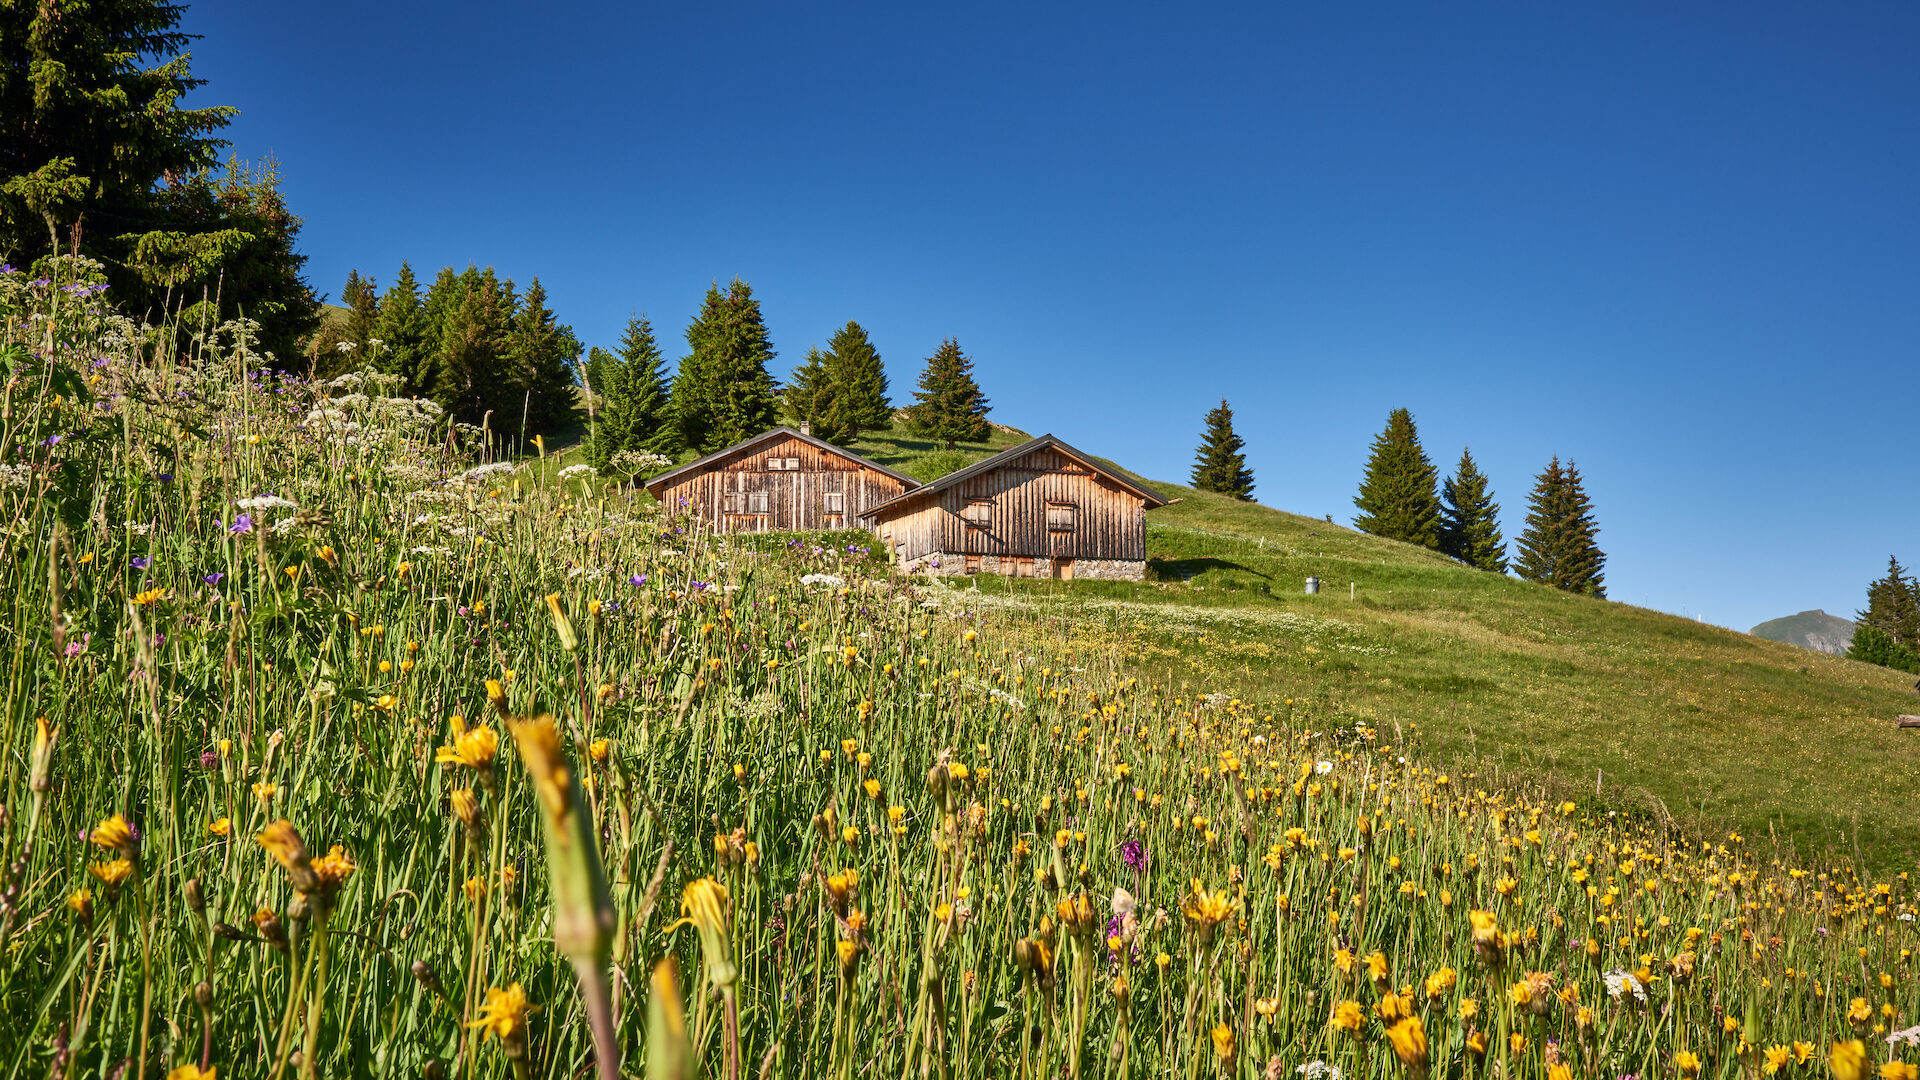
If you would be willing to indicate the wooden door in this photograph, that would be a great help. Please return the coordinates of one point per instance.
(1063, 569)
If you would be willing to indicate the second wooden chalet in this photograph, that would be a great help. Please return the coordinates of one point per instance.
(1041, 509)
(781, 479)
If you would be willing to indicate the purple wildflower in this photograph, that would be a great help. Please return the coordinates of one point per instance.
(637, 580)
(1134, 854)
(242, 523)
(141, 562)
(213, 578)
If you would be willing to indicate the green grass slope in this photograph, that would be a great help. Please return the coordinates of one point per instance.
(1649, 712)
(1660, 714)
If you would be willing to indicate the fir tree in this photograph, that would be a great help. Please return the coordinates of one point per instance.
(1219, 464)
(723, 393)
(343, 341)
(540, 357)
(1397, 497)
(1893, 605)
(403, 331)
(949, 405)
(811, 397)
(468, 380)
(1470, 519)
(1558, 546)
(98, 152)
(636, 412)
(1873, 645)
(859, 385)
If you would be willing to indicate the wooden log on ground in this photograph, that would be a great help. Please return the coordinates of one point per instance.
(1908, 720)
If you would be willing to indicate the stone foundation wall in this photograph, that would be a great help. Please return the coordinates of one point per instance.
(941, 564)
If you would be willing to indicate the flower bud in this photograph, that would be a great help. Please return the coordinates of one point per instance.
(203, 993)
(196, 899)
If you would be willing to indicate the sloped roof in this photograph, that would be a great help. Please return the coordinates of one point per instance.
(1007, 457)
(658, 483)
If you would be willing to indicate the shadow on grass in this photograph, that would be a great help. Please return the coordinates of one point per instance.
(1188, 569)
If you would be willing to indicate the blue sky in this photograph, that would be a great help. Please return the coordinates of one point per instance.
(1678, 244)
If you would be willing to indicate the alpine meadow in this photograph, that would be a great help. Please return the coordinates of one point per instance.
(365, 716)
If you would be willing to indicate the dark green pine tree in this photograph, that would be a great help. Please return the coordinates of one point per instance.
(97, 152)
(402, 329)
(1893, 605)
(810, 397)
(1397, 496)
(859, 380)
(540, 357)
(949, 405)
(1220, 464)
(1558, 546)
(723, 392)
(636, 411)
(468, 380)
(1470, 519)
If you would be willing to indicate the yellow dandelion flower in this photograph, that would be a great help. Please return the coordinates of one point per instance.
(504, 1015)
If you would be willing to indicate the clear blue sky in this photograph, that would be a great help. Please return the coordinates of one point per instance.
(1679, 244)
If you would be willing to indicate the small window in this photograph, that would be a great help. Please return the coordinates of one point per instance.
(731, 502)
(756, 502)
(775, 464)
(978, 513)
(793, 464)
(1060, 517)
(836, 502)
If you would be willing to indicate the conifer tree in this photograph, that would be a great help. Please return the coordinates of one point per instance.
(1558, 546)
(1470, 519)
(859, 380)
(98, 151)
(1893, 605)
(949, 405)
(540, 356)
(636, 412)
(811, 396)
(1397, 497)
(723, 392)
(1220, 464)
(402, 330)
(468, 380)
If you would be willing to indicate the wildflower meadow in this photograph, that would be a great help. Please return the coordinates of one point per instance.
(342, 740)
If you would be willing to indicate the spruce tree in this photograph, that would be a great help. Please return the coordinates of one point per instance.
(1397, 497)
(949, 405)
(468, 380)
(1219, 464)
(1558, 546)
(811, 396)
(636, 412)
(1893, 605)
(723, 393)
(859, 381)
(540, 356)
(98, 152)
(403, 331)
(1470, 519)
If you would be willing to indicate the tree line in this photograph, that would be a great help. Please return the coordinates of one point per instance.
(1403, 497)
(1888, 631)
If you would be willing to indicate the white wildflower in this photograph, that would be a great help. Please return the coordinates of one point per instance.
(1622, 983)
(266, 502)
(1323, 767)
(831, 581)
(581, 471)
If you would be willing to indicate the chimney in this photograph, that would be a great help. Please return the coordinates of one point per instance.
(806, 427)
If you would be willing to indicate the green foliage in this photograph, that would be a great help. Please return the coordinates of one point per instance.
(1220, 464)
(98, 156)
(949, 405)
(1875, 645)
(636, 411)
(929, 467)
(467, 371)
(404, 333)
(808, 398)
(723, 392)
(1893, 606)
(858, 402)
(1558, 547)
(1397, 499)
(540, 358)
(1470, 519)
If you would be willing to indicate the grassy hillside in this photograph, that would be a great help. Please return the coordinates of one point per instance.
(1694, 723)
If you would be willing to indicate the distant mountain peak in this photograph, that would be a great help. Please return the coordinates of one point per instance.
(1813, 629)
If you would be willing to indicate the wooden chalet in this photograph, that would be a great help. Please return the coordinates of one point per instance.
(1041, 509)
(781, 479)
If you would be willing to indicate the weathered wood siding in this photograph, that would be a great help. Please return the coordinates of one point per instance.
(721, 494)
(1109, 523)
